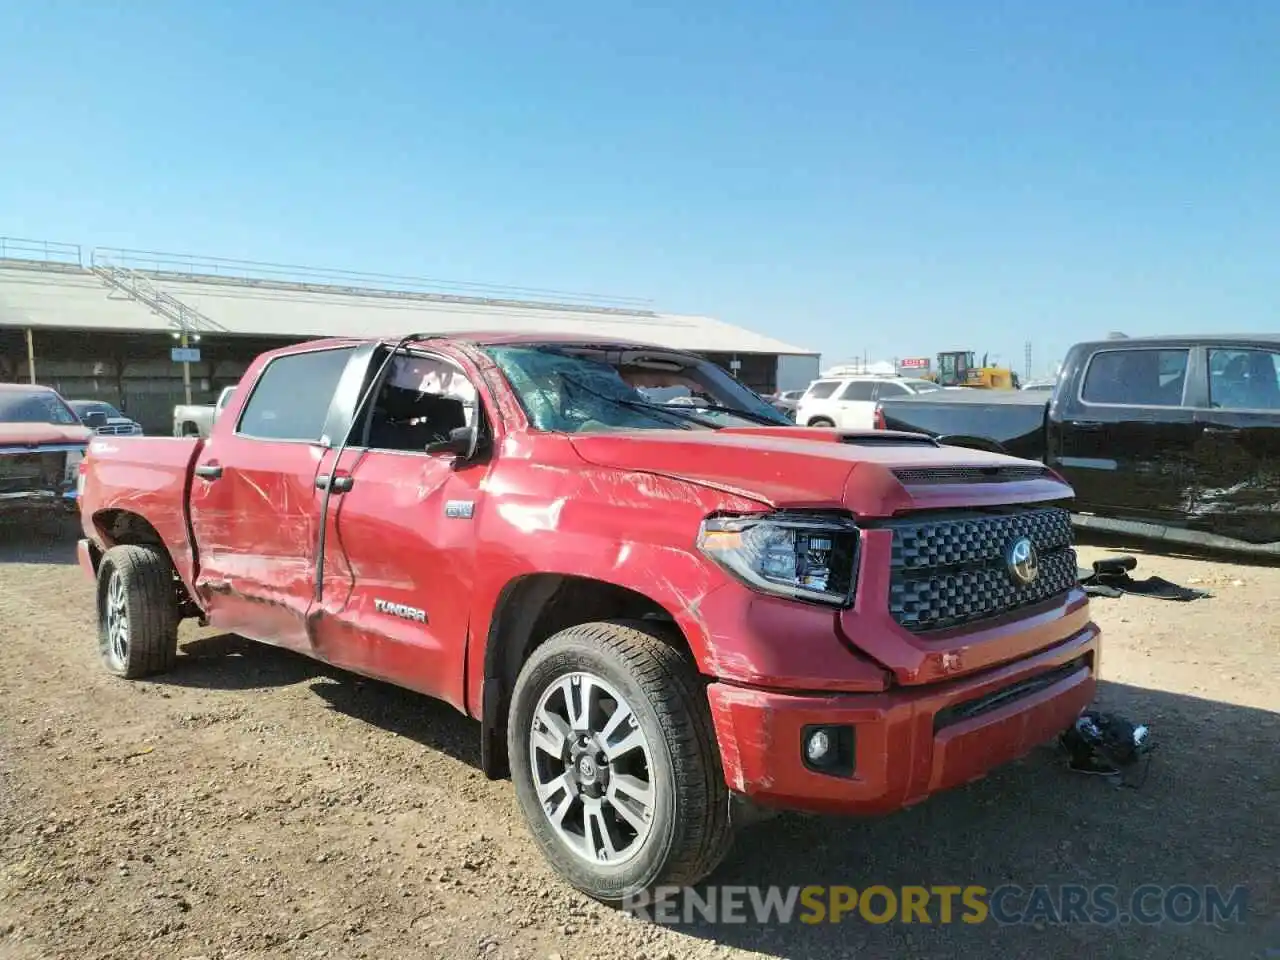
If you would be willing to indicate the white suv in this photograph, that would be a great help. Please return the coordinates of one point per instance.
(850, 402)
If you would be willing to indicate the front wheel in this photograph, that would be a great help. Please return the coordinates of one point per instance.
(615, 764)
(822, 422)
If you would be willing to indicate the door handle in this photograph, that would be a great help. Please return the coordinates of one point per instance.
(341, 484)
(1222, 431)
(209, 471)
(1086, 424)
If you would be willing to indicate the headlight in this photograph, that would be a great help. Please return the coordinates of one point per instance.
(803, 556)
(71, 469)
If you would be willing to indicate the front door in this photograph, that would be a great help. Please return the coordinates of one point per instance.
(254, 503)
(400, 564)
(1126, 440)
(1238, 451)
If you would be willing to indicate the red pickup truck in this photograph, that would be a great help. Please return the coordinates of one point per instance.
(42, 443)
(661, 612)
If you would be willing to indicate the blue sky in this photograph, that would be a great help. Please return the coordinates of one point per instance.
(889, 178)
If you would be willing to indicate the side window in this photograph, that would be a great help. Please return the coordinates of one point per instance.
(890, 389)
(1140, 378)
(821, 389)
(291, 399)
(423, 399)
(859, 390)
(1244, 379)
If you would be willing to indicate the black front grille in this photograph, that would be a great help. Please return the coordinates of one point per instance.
(925, 475)
(949, 570)
(27, 472)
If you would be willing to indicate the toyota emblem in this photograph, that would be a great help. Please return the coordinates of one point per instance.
(1022, 562)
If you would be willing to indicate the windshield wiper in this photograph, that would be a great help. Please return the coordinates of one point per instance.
(745, 414)
(654, 410)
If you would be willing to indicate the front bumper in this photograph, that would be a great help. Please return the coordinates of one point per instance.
(908, 742)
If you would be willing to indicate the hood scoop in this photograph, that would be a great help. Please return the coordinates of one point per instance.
(881, 439)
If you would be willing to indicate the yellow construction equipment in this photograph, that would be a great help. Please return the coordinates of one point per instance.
(956, 368)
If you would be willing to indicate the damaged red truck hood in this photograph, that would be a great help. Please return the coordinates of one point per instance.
(794, 467)
(39, 434)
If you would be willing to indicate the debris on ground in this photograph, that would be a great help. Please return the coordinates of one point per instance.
(1109, 577)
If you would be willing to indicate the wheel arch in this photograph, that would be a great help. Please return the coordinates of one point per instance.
(534, 607)
(119, 527)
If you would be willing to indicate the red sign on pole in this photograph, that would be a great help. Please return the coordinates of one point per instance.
(914, 363)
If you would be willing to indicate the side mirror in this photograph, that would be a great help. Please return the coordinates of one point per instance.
(462, 443)
(95, 419)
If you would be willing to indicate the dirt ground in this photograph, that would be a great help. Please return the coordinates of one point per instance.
(256, 804)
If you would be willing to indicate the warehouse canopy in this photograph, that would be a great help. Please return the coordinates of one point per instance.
(73, 297)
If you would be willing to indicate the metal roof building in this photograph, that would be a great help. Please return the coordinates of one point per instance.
(116, 291)
(116, 314)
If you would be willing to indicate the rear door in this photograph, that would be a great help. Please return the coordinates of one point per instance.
(817, 401)
(855, 405)
(1238, 451)
(1126, 438)
(254, 503)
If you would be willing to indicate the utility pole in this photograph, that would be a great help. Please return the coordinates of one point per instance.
(186, 369)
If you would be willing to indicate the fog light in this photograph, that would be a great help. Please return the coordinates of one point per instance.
(829, 749)
(818, 746)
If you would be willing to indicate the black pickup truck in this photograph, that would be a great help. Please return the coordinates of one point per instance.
(1163, 438)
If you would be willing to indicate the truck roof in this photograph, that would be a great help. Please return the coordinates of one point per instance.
(25, 388)
(1186, 338)
(497, 338)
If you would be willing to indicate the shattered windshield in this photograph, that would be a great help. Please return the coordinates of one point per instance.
(35, 406)
(573, 389)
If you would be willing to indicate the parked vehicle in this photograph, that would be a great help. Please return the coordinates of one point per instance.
(196, 419)
(102, 418)
(1162, 438)
(662, 616)
(42, 442)
(1038, 385)
(850, 402)
(788, 402)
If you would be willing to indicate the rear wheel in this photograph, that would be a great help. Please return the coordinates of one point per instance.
(137, 611)
(614, 761)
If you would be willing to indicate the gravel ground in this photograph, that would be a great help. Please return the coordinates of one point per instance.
(256, 804)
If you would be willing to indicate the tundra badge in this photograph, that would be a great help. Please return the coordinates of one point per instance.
(399, 610)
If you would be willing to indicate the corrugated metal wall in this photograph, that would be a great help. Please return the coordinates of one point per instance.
(130, 371)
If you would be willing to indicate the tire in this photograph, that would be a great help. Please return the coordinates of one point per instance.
(821, 422)
(687, 831)
(135, 590)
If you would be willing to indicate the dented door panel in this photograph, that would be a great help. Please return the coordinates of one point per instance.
(399, 568)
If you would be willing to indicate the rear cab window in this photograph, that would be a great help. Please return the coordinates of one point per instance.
(1142, 377)
(293, 394)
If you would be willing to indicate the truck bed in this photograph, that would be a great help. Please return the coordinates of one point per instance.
(1013, 419)
(149, 475)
